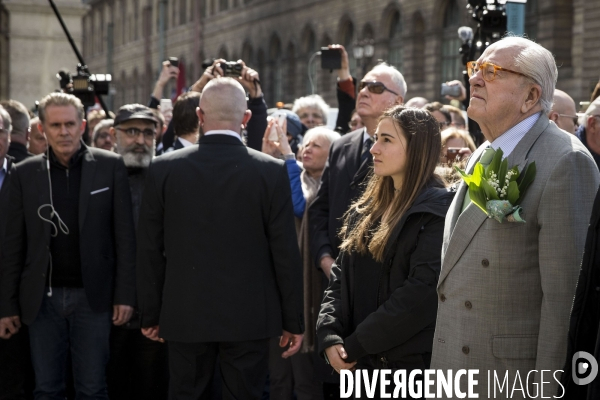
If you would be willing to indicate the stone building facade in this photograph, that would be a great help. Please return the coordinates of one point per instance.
(33, 46)
(279, 37)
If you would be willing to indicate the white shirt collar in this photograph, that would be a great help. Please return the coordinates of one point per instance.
(4, 165)
(224, 132)
(185, 143)
(366, 135)
(511, 138)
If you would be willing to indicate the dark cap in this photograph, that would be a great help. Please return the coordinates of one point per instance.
(134, 111)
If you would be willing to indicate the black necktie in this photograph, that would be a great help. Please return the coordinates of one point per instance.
(366, 153)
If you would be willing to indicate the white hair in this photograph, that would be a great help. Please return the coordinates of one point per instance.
(312, 101)
(105, 123)
(320, 132)
(592, 109)
(538, 64)
(394, 74)
(6, 121)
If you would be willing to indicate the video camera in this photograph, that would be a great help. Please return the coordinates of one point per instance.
(84, 85)
(491, 18)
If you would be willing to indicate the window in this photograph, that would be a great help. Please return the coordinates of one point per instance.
(531, 19)
(275, 75)
(290, 81)
(418, 53)
(451, 59)
(183, 12)
(223, 5)
(395, 42)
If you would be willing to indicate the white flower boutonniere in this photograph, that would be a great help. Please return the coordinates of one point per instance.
(498, 190)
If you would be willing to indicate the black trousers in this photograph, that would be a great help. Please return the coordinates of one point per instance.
(243, 367)
(138, 367)
(295, 374)
(16, 372)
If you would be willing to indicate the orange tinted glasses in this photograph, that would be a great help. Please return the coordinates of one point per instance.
(488, 70)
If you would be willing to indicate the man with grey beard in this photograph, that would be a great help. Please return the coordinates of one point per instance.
(138, 365)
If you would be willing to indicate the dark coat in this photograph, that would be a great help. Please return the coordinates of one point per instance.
(4, 200)
(402, 328)
(218, 256)
(346, 104)
(584, 332)
(18, 151)
(341, 184)
(106, 236)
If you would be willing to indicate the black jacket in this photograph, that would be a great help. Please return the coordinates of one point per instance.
(18, 151)
(404, 323)
(218, 257)
(341, 184)
(4, 200)
(584, 332)
(106, 235)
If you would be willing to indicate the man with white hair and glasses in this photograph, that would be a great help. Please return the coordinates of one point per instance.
(506, 289)
(589, 131)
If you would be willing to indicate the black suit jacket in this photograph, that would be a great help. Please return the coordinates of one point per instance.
(341, 184)
(18, 151)
(4, 200)
(107, 236)
(218, 257)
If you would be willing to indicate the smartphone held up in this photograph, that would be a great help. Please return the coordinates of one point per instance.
(280, 119)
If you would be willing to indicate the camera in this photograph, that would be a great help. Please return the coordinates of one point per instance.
(331, 59)
(231, 69)
(450, 90)
(83, 85)
(174, 61)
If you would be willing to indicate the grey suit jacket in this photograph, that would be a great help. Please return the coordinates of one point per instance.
(505, 290)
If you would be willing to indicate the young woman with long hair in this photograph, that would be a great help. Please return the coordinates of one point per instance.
(380, 307)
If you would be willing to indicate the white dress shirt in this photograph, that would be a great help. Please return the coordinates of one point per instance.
(511, 138)
(224, 132)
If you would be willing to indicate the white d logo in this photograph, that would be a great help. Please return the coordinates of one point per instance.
(581, 367)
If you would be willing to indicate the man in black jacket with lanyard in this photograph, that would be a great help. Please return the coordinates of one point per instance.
(68, 259)
(219, 270)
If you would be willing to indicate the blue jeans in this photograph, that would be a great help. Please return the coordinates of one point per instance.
(65, 321)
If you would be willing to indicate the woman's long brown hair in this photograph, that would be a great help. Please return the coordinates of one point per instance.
(364, 227)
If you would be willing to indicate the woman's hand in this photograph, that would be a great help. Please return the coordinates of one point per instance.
(276, 148)
(336, 356)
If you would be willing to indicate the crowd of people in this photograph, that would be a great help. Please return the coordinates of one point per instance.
(211, 250)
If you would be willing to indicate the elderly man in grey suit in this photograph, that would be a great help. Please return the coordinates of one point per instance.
(505, 290)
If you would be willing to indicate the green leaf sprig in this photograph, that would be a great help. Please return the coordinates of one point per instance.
(498, 182)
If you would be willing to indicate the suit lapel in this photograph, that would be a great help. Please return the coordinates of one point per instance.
(352, 152)
(88, 171)
(472, 218)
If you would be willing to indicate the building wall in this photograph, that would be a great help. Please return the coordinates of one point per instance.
(36, 47)
(278, 37)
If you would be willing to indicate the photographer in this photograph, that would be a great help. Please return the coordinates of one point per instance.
(346, 92)
(167, 73)
(249, 79)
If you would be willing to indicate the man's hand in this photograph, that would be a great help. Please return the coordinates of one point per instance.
(250, 80)
(214, 71)
(326, 263)
(294, 341)
(121, 314)
(344, 71)
(336, 355)
(9, 326)
(167, 73)
(152, 333)
(463, 91)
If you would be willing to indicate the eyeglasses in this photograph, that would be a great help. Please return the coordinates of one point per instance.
(375, 87)
(134, 132)
(573, 117)
(103, 135)
(488, 70)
